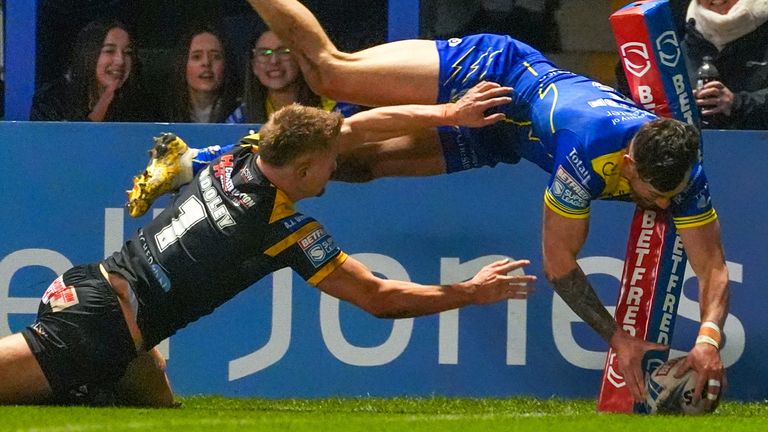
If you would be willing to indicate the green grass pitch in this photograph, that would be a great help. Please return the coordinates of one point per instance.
(372, 414)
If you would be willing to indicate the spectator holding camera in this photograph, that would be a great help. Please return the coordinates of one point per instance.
(734, 34)
(273, 80)
(101, 83)
(203, 88)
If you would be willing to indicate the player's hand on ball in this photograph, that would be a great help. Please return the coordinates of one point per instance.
(470, 109)
(710, 372)
(630, 351)
(494, 283)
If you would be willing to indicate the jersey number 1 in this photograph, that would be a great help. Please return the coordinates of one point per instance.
(190, 213)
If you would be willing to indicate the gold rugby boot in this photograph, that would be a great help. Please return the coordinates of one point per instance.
(170, 166)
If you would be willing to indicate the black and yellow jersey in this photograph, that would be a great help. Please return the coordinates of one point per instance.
(226, 229)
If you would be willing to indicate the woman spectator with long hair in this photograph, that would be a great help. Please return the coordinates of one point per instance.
(203, 88)
(101, 82)
(273, 80)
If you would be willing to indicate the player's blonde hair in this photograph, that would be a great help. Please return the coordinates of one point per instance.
(296, 130)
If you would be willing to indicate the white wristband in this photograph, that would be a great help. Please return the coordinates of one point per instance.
(708, 340)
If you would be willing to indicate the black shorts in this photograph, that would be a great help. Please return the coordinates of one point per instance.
(80, 338)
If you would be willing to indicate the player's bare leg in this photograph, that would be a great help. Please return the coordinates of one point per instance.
(418, 154)
(21, 379)
(390, 74)
(145, 382)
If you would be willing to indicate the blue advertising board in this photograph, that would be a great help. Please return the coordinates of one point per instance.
(63, 193)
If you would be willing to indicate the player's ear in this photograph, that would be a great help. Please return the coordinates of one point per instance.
(628, 167)
(302, 170)
(302, 166)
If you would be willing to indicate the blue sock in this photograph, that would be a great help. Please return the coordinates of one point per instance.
(206, 155)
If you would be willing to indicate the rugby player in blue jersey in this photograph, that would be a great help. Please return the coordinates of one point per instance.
(92, 342)
(595, 144)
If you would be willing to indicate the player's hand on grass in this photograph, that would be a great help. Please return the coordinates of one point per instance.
(494, 283)
(470, 109)
(710, 372)
(630, 351)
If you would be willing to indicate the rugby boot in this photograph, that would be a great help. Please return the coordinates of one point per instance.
(170, 167)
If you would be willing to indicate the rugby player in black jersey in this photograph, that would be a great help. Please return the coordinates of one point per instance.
(92, 342)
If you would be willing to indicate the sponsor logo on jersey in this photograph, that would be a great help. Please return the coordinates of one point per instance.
(605, 88)
(452, 42)
(145, 247)
(246, 174)
(214, 202)
(317, 246)
(317, 253)
(604, 102)
(636, 58)
(609, 168)
(39, 329)
(223, 171)
(60, 296)
(161, 276)
(311, 238)
(669, 48)
(224, 167)
(568, 190)
(702, 200)
(581, 170)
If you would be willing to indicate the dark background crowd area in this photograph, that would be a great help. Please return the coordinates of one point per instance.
(157, 25)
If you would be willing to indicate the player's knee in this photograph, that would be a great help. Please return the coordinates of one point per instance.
(326, 75)
(353, 170)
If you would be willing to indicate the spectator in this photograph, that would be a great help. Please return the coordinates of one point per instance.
(101, 82)
(202, 83)
(273, 80)
(735, 34)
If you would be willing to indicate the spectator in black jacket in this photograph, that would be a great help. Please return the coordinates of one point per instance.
(735, 34)
(101, 83)
(203, 82)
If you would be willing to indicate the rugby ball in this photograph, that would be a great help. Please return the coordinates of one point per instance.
(670, 395)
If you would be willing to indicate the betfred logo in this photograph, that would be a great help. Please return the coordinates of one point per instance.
(669, 48)
(636, 58)
(314, 236)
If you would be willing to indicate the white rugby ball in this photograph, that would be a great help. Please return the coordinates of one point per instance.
(670, 395)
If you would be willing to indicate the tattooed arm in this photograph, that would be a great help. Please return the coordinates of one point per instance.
(575, 290)
(562, 239)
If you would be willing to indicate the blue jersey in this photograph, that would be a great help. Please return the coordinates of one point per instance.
(571, 126)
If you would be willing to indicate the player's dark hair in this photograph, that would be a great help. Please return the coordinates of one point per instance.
(664, 150)
(296, 130)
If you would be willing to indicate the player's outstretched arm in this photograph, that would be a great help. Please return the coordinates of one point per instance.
(353, 282)
(705, 253)
(562, 240)
(384, 123)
